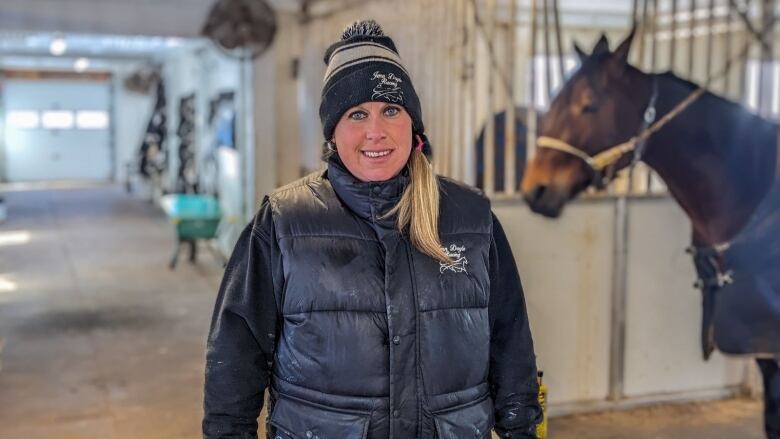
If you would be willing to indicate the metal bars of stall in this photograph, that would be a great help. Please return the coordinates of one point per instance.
(509, 127)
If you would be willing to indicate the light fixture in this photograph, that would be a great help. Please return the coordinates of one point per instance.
(172, 42)
(92, 120)
(81, 65)
(58, 46)
(14, 237)
(6, 285)
(21, 119)
(58, 120)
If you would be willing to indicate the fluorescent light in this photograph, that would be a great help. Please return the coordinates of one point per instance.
(14, 238)
(6, 286)
(81, 65)
(23, 119)
(58, 46)
(58, 120)
(92, 120)
(172, 42)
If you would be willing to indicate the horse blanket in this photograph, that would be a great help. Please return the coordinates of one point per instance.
(740, 283)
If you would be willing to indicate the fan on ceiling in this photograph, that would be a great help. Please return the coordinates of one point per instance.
(241, 28)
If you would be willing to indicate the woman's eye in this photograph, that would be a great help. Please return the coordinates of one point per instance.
(392, 111)
(357, 115)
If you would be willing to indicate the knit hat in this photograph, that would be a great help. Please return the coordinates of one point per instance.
(364, 66)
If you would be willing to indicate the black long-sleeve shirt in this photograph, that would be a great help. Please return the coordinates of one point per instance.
(246, 322)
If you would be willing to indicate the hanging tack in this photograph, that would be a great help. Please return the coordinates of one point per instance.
(558, 39)
(691, 40)
(728, 42)
(653, 17)
(547, 51)
(673, 35)
(710, 36)
(488, 153)
(643, 34)
(510, 135)
(531, 114)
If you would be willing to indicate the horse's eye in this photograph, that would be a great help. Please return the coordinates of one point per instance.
(590, 108)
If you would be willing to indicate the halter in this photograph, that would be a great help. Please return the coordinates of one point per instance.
(604, 163)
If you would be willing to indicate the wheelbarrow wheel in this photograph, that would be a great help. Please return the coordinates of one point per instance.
(193, 250)
(175, 257)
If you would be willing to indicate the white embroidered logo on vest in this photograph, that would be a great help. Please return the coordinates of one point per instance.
(459, 262)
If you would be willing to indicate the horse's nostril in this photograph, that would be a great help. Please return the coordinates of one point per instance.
(534, 195)
(538, 192)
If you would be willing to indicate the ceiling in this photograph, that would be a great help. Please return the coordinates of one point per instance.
(107, 32)
(180, 18)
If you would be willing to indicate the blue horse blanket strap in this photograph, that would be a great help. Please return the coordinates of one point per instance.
(705, 260)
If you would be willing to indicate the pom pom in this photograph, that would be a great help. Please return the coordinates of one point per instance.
(368, 28)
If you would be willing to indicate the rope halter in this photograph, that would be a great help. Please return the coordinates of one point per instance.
(604, 163)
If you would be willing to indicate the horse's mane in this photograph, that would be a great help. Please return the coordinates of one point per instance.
(670, 75)
(738, 112)
(692, 86)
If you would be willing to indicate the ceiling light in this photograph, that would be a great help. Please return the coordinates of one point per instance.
(58, 46)
(6, 285)
(14, 237)
(81, 65)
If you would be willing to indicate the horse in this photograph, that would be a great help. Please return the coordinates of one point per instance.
(720, 164)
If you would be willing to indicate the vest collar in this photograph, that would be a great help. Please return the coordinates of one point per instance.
(368, 199)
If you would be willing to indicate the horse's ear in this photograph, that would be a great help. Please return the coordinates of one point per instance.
(602, 46)
(580, 53)
(621, 53)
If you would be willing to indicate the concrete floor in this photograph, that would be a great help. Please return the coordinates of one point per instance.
(102, 341)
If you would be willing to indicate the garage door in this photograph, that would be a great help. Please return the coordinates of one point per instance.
(57, 130)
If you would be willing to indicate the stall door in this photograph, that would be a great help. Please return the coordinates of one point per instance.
(57, 130)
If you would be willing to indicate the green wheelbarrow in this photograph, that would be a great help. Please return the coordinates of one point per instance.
(195, 217)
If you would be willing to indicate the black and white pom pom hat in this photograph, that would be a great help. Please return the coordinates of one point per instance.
(364, 66)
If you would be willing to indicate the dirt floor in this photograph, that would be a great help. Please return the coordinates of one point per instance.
(100, 340)
(730, 419)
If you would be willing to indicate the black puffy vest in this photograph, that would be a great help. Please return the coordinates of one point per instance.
(379, 340)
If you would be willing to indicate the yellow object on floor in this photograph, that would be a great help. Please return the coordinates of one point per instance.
(541, 428)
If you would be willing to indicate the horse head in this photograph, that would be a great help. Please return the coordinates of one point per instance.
(601, 105)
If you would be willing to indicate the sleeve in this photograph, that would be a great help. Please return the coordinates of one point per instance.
(512, 376)
(241, 341)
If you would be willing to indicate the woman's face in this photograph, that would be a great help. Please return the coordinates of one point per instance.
(374, 140)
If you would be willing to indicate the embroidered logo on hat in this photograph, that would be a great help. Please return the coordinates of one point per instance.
(388, 88)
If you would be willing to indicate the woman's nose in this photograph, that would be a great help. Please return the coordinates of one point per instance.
(375, 129)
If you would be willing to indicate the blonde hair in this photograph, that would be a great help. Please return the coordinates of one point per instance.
(418, 208)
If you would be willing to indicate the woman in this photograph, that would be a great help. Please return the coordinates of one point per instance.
(374, 300)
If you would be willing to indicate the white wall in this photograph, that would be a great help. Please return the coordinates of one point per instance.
(663, 353)
(566, 267)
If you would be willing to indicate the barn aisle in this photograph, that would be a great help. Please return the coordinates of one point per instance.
(100, 339)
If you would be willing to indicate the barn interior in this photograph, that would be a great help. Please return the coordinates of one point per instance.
(114, 113)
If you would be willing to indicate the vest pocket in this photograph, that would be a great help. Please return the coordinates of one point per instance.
(294, 418)
(471, 420)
